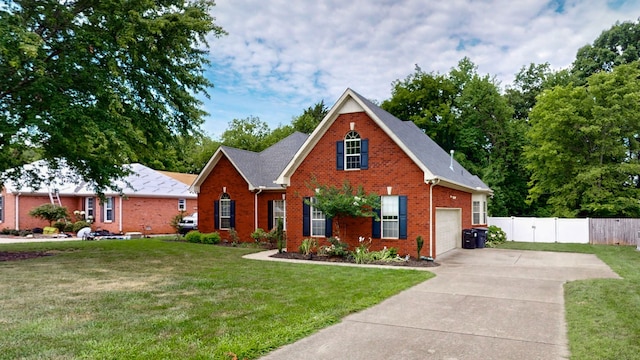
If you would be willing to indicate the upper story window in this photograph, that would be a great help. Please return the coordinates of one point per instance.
(182, 205)
(225, 211)
(352, 148)
(352, 153)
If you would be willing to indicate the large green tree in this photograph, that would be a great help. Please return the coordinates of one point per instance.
(618, 45)
(101, 83)
(310, 118)
(584, 146)
(249, 134)
(464, 111)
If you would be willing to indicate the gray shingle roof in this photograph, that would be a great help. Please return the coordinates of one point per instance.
(427, 151)
(262, 169)
(143, 181)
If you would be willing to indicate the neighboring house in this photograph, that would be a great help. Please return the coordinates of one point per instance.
(236, 189)
(424, 191)
(149, 201)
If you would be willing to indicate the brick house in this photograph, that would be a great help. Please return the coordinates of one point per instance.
(236, 189)
(148, 202)
(423, 190)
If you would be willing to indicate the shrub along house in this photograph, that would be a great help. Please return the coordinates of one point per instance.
(237, 189)
(423, 190)
(147, 204)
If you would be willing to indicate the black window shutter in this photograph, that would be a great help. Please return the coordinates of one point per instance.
(402, 212)
(376, 225)
(216, 214)
(306, 217)
(232, 218)
(270, 215)
(340, 155)
(328, 227)
(364, 154)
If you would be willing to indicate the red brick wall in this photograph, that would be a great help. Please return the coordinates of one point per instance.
(225, 175)
(138, 213)
(388, 166)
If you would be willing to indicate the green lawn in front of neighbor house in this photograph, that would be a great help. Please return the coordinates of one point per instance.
(603, 315)
(158, 299)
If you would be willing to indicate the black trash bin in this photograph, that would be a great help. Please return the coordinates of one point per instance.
(468, 239)
(481, 236)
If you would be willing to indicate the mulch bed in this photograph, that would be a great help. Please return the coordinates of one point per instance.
(22, 255)
(412, 262)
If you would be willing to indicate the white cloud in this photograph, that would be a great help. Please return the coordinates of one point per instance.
(282, 56)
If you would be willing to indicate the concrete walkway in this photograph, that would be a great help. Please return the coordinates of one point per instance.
(483, 304)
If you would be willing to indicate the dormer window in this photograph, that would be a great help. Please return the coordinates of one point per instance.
(352, 150)
(352, 153)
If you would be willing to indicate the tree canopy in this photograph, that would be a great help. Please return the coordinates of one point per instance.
(584, 146)
(98, 84)
(616, 46)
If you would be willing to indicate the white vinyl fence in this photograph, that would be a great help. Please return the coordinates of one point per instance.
(549, 230)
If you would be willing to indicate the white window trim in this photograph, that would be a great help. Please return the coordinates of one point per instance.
(284, 214)
(182, 204)
(108, 206)
(479, 209)
(225, 201)
(396, 214)
(346, 150)
(319, 217)
(1, 209)
(90, 211)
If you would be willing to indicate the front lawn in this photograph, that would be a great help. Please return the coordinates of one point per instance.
(603, 316)
(155, 299)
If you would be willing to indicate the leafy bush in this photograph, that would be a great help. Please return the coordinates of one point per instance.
(50, 212)
(175, 221)
(495, 236)
(233, 236)
(210, 238)
(419, 244)
(337, 248)
(307, 246)
(79, 225)
(193, 236)
(279, 235)
(60, 225)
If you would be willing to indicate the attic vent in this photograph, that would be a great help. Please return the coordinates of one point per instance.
(451, 164)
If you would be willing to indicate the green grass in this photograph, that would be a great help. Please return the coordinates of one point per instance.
(154, 299)
(603, 316)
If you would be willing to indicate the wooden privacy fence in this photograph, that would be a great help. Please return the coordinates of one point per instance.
(585, 231)
(614, 231)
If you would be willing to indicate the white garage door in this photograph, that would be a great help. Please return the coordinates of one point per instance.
(448, 229)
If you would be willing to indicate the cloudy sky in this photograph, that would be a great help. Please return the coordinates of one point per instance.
(282, 56)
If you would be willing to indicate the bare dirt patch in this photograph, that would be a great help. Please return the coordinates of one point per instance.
(22, 255)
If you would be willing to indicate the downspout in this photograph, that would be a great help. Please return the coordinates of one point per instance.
(433, 182)
(255, 206)
(120, 214)
(17, 211)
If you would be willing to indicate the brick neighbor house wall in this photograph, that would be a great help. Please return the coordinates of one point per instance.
(388, 166)
(225, 175)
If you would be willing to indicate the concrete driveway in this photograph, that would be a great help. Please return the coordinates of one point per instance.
(483, 304)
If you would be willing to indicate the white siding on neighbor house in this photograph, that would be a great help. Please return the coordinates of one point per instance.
(548, 230)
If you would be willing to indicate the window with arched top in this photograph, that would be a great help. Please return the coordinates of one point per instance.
(352, 152)
(224, 212)
(352, 149)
